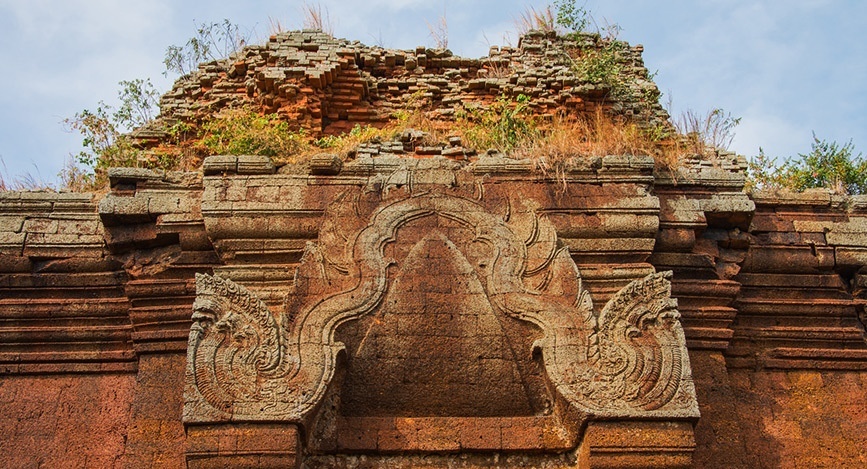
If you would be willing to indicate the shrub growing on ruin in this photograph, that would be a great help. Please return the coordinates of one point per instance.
(601, 65)
(105, 129)
(104, 132)
(509, 124)
(598, 57)
(212, 41)
(571, 16)
(505, 126)
(828, 165)
(245, 132)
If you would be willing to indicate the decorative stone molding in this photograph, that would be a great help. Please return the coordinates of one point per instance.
(62, 305)
(246, 363)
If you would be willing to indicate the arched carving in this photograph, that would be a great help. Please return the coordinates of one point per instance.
(247, 363)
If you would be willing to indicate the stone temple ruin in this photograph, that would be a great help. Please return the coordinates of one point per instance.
(417, 307)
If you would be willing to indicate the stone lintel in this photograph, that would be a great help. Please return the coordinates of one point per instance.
(646, 445)
(243, 445)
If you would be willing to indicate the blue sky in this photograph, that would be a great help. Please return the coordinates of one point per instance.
(787, 68)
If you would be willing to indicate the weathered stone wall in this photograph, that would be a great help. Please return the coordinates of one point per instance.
(97, 293)
(65, 420)
(68, 368)
(97, 297)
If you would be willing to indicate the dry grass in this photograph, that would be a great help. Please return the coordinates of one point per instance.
(4, 186)
(439, 32)
(317, 18)
(434, 132)
(74, 178)
(532, 19)
(275, 26)
(346, 143)
(596, 135)
(496, 67)
(507, 125)
(551, 145)
(437, 130)
(24, 182)
(706, 132)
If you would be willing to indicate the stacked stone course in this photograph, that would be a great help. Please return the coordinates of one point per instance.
(97, 293)
(327, 86)
(770, 289)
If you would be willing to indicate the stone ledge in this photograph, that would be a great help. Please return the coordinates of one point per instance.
(243, 445)
(447, 434)
(230, 164)
(637, 445)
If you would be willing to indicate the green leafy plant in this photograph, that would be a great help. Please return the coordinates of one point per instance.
(598, 58)
(571, 16)
(245, 132)
(105, 137)
(105, 146)
(828, 165)
(602, 65)
(213, 41)
(327, 141)
(762, 172)
(505, 125)
(139, 103)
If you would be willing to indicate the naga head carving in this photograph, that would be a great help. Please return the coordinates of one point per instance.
(253, 364)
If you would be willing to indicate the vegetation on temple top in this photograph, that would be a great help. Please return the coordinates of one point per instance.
(212, 41)
(507, 125)
(828, 165)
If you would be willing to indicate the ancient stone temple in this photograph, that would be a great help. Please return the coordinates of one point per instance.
(422, 309)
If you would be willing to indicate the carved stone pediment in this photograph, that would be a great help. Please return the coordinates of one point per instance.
(432, 295)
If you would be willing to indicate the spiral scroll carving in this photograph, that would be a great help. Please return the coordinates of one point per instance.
(248, 363)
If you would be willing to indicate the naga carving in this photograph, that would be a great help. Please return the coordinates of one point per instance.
(249, 363)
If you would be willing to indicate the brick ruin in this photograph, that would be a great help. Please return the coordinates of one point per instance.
(327, 86)
(413, 309)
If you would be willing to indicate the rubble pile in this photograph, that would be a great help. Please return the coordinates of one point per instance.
(327, 86)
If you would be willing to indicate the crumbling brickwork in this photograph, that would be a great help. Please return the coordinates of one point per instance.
(327, 86)
(439, 308)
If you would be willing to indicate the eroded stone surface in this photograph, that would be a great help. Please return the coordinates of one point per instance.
(772, 300)
(446, 290)
(95, 297)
